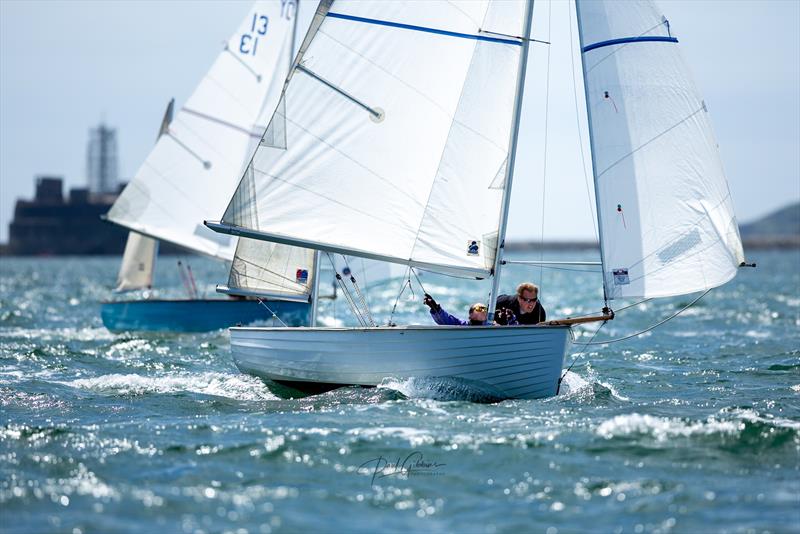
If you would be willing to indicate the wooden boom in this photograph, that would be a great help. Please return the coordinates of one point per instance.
(579, 320)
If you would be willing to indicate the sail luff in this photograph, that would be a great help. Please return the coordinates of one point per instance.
(598, 206)
(512, 153)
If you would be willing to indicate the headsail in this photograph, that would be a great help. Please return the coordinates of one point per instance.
(194, 167)
(666, 217)
(391, 135)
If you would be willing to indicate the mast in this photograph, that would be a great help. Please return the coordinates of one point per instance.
(512, 152)
(591, 149)
(294, 34)
(315, 290)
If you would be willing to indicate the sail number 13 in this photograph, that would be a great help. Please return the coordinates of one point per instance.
(248, 44)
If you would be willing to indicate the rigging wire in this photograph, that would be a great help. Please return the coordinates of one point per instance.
(578, 127)
(546, 131)
(608, 341)
(406, 283)
(361, 298)
(274, 315)
(356, 311)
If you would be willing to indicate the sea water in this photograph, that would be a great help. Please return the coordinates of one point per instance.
(691, 427)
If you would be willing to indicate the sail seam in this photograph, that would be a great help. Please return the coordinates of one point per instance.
(425, 29)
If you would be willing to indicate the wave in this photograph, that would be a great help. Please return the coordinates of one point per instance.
(733, 430)
(237, 387)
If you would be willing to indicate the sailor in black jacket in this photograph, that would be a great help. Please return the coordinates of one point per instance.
(525, 304)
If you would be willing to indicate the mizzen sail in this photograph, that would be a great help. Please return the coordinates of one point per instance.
(666, 217)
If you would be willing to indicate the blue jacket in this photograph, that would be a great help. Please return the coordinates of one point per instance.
(441, 317)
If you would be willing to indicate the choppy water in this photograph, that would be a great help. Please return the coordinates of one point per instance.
(692, 427)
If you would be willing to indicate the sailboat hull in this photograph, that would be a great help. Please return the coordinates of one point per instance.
(199, 315)
(512, 362)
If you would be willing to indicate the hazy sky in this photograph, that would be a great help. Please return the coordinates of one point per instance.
(65, 66)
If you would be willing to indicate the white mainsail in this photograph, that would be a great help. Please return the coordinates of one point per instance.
(666, 217)
(193, 169)
(138, 263)
(395, 125)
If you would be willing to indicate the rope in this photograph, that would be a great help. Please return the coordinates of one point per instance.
(418, 280)
(593, 342)
(346, 292)
(407, 283)
(653, 326)
(185, 280)
(365, 311)
(274, 315)
(362, 299)
(191, 279)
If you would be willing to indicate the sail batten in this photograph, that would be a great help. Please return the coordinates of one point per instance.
(664, 208)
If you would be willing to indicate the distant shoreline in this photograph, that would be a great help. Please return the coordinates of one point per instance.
(757, 243)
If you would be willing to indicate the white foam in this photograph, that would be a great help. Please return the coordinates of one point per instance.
(663, 428)
(238, 387)
(414, 436)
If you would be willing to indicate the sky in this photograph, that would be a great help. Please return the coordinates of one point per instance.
(65, 66)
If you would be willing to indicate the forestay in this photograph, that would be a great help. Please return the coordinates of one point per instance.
(193, 169)
(392, 136)
(666, 217)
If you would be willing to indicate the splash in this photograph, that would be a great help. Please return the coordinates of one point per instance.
(237, 387)
(443, 389)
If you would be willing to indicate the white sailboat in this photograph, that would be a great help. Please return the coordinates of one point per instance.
(401, 127)
(192, 172)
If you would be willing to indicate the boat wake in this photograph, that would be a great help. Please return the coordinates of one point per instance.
(590, 388)
(443, 389)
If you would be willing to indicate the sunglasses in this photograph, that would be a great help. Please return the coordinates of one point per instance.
(534, 299)
(480, 309)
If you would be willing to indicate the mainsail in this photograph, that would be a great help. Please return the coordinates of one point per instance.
(391, 139)
(666, 217)
(194, 167)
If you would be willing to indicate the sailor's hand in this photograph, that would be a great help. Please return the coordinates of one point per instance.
(504, 316)
(432, 304)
